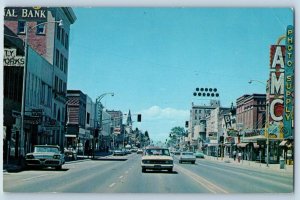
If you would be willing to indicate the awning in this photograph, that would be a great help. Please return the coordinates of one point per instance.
(243, 145)
(71, 136)
(283, 143)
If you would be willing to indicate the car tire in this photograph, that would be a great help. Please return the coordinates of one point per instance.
(58, 167)
(180, 161)
(143, 170)
(170, 170)
(193, 162)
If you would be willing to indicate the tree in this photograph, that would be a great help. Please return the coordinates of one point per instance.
(175, 134)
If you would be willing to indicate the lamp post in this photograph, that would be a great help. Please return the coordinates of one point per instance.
(267, 120)
(22, 142)
(99, 107)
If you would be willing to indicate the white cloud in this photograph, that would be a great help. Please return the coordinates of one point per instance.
(170, 114)
(159, 121)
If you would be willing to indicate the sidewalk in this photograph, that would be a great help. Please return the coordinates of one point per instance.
(253, 164)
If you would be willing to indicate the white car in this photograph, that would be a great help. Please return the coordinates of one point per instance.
(157, 158)
(45, 156)
(187, 157)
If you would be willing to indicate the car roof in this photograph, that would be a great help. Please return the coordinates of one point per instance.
(156, 147)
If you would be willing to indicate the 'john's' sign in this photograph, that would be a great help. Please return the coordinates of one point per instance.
(25, 13)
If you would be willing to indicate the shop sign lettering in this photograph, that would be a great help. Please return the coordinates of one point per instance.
(11, 58)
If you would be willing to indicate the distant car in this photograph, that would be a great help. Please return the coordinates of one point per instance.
(45, 156)
(176, 152)
(70, 153)
(199, 154)
(119, 153)
(157, 158)
(187, 157)
(139, 151)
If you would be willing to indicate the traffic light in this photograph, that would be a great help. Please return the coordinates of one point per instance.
(96, 133)
(139, 117)
(186, 124)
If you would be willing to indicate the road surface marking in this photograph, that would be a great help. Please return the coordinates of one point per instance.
(111, 185)
(28, 179)
(121, 177)
(202, 181)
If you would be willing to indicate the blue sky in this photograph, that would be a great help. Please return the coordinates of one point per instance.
(154, 58)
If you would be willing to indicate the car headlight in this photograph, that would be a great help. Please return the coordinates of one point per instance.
(56, 156)
(29, 157)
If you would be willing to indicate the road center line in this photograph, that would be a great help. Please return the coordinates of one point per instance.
(202, 181)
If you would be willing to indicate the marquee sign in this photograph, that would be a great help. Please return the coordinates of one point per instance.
(277, 58)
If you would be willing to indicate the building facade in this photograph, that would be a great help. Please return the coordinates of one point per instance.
(45, 92)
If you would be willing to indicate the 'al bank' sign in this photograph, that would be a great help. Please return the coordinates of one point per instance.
(25, 13)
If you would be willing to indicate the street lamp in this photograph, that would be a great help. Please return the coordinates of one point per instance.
(267, 121)
(99, 106)
(60, 23)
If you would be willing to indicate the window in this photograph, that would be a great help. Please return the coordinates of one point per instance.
(21, 27)
(66, 66)
(67, 41)
(58, 32)
(61, 66)
(56, 83)
(63, 37)
(57, 58)
(64, 87)
(40, 29)
(88, 118)
(60, 86)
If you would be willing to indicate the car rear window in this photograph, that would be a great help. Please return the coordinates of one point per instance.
(187, 154)
(162, 152)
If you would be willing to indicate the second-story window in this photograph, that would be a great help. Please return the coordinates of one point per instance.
(58, 32)
(40, 29)
(21, 27)
(57, 58)
(67, 41)
(63, 36)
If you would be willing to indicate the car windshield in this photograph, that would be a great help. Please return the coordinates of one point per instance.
(46, 149)
(187, 153)
(163, 152)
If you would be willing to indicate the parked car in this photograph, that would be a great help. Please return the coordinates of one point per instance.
(187, 157)
(157, 158)
(70, 153)
(45, 156)
(119, 152)
(139, 151)
(199, 154)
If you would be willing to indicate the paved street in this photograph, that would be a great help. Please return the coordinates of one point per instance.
(117, 176)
